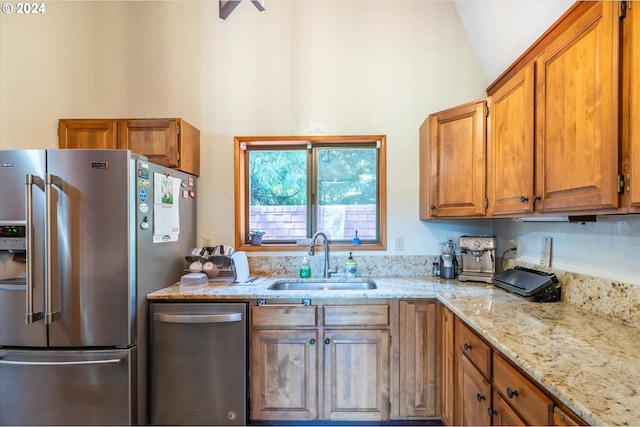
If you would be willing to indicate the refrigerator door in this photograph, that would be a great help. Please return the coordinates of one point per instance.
(14, 330)
(45, 387)
(91, 253)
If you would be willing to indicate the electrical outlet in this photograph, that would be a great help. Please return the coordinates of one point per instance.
(513, 244)
(399, 243)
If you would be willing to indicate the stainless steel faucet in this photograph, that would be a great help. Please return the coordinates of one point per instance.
(326, 273)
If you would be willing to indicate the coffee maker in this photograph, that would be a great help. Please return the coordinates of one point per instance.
(478, 254)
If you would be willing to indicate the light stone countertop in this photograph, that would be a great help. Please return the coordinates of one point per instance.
(589, 362)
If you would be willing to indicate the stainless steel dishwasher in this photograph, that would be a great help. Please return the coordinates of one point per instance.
(198, 364)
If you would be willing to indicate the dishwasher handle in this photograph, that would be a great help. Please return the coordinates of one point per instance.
(198, 318)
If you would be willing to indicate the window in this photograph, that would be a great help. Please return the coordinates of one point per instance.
(291, 187)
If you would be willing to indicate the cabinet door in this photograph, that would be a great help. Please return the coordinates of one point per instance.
(87, 133)
(577, 115)
(511, 148)
(632, 112)
(157, 139)
(418, 359)
(356, 375)
(565, 418)
(452, 162)
(284, 375)
(503, 415)
(447, 399)
(473, 394)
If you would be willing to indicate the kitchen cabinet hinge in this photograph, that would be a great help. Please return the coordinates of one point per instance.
(177, 130)
(620, 183)
(486, 203)
(486, 111)
(622, 10)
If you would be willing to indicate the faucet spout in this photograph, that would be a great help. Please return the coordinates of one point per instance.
(326, 272)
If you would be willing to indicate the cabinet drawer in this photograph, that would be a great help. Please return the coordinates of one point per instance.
(473, 347)
(356, 315)
(563, 417)
(269, 316)
(521, 394)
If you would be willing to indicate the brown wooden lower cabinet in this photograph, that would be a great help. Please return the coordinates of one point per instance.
(502, 413)
(419, 356)
(330, 361)
(487, 389)
(447, 365)
(356, 375)
(473, 395)
(284, 375)
(345, 360)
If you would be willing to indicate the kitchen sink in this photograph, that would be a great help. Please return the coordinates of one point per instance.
(323, 285)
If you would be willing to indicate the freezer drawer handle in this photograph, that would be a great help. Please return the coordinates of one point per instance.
(80, 362)
(198, 318)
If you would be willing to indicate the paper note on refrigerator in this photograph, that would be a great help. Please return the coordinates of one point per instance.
(166, 212)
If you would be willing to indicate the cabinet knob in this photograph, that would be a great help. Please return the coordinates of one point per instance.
(512, 393)
(524, 199)
(466, 346)
(312, 341)
(536, 198)
(492, 412)
(432, 206)
(480, 397)
(327, 341)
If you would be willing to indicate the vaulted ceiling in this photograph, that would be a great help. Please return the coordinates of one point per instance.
(501, 30)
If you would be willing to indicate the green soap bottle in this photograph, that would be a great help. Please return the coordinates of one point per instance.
(305, 268)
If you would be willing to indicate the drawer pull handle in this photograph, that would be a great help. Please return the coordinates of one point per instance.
(327, 341)
(512, 393)
(467, 346)
(480, 397)
(312, 341)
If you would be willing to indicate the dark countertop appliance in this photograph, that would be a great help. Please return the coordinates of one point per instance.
(530, 284)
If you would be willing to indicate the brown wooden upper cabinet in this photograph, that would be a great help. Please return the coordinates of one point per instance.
(173, 143)
(577, 114)
(631, 99)
(558, 138)
(453, 162)
(511, 148)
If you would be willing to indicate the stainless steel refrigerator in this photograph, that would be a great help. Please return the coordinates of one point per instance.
(84, 236)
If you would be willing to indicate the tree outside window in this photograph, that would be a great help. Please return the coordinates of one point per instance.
(291, 187)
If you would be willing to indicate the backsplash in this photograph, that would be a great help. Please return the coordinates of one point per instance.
(614, 299)
(367, 266)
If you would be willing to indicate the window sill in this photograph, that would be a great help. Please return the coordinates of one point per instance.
(280, 247)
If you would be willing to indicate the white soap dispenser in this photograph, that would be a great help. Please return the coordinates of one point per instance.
(351, 266)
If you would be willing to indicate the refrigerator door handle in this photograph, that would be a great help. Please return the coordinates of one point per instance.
(32, 180)
(48, 363)
(49, 315)
(197, 318)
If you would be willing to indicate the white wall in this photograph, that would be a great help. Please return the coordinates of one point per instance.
(501, 30)
(300, 67)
